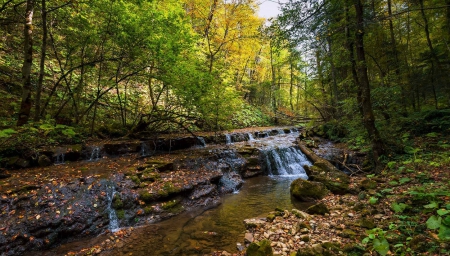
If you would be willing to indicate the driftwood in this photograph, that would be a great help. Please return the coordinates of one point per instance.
(325, 163)
(315, 158)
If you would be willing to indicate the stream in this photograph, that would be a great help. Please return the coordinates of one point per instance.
(204, 231)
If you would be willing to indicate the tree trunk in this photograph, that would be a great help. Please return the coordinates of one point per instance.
(25, 106)
(37, 111)
(364, 88)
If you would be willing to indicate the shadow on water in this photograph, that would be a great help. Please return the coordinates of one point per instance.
(197, 232)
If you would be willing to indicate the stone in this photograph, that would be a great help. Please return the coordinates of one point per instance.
(317, 248)
(262, 248)
(301, 214)
(333, 179)
(367, 223)
(319, 208)
(44, 161)
(348, 233)
(248, 237)
(305, 190)
(305, 238)
(253, 223)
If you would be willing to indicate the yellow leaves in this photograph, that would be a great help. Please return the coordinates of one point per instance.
(38, 217)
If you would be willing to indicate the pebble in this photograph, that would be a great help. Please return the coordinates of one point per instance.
(350, 215)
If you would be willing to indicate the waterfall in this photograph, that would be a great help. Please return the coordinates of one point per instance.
(228, 139)
(95, 154)
(113, 220)
(284, 162)
(202, 141)
(250, 136)
(145, 151)
(59, 158)
(280, 131)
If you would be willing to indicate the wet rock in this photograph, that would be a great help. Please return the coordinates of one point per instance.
(253, 223)
(262, 248)
(305, 190)
(270, 217)
(319, 208)
(17, 162)
(44, 161)
(248, 237)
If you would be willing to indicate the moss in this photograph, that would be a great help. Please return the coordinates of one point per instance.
(169, 204)
(150, 176)
(270, 217)
(117, 202)
(120, 214)
(135, 179)
(148, 209)
(308, 190)
(262, 248)
(145, 196)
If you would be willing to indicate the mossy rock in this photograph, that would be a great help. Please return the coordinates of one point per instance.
(117, 202)
(348, 233)
(146, 196)
(308, 190)
(319, 208)
(367, 223)
(159, 165)
(169, 204)
(270, 217)
(368, 184)
(135, 179)
(120, 214)
(262, 248)
(150, 176)
(307, 251)
(335, 180)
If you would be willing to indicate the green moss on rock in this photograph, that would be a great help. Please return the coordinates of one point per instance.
(308, 190)
(262, 248)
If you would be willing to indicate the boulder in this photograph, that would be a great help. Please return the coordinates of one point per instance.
(253, 223)
(44, 161)
(319, 208)
(335, 180)
(262, 248)
(308, 190)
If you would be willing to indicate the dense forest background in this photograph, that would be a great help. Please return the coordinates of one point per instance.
(374, 71)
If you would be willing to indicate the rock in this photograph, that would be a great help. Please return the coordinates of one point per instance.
(44, 161)
(333, 179)
(308, 190)
(248, 237)
(253, 223)
(317, 249)
(367, 223)
(301, 214)
(367, 184)
(348, 233)
(319, 208)
(239, 247)
(262, 248)
(305, 238)
(307, 251)
(270, 217)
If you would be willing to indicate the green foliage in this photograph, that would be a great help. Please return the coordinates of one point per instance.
(398, 208)
(248, 116)
(7, 133)
(378, 240)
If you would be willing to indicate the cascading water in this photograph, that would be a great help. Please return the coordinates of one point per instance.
(59, 158)
(287, 161)
(113, 220)
(95, 154)
(280, 131)
(250, 136)
(202, 141)
(228, 139)
(145, 151)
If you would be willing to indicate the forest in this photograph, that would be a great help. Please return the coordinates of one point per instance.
(374, 75)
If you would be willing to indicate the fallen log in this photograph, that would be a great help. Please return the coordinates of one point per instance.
(315, 159)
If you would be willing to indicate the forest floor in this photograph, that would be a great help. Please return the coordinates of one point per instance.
(404, 210)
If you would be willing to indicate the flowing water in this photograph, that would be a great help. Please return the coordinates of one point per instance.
(203, 231)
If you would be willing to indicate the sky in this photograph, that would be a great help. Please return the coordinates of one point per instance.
(269, 8)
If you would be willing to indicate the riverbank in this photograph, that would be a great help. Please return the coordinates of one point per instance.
(404, 210)
(44, 207)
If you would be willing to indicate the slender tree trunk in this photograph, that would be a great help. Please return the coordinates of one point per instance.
(364, 88)
(37, 112)
(273, 86)
(25, 106)
(291, 88)
(334, 88)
